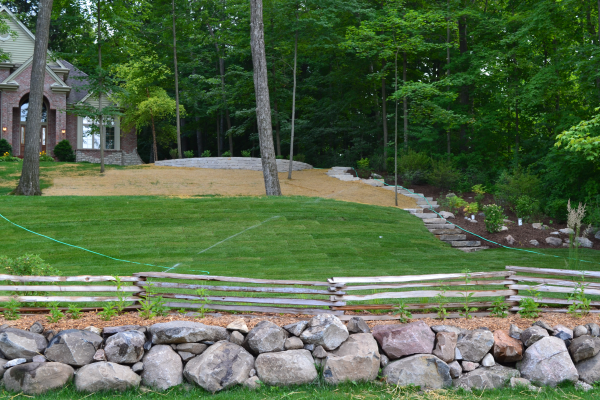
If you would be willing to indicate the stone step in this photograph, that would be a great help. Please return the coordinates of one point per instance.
(472, 249)
(440, 226)
(427, 207)
(423, 215)
(428, 200)
(445, 231)
(434, 220)
(451, 238)
(465, 243)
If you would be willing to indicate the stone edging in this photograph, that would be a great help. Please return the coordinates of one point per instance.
(247, 163)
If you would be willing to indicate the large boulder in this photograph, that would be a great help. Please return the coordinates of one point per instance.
(163, 368)
(125, 347)
(74, 347)
(547, 362)
(37, 378)
(357, 359)
(445, 346)
(494, 377)
(584, 347)
(186, 332)
(589, 370)
(292, 367)
(475, 345)
(403, 340)
(325, 330)
(16, 343)
(265, 337)
(221, 366)
(424, 370)
(506, 349)
(105, 376)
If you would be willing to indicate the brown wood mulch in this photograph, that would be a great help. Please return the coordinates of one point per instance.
(132, 318)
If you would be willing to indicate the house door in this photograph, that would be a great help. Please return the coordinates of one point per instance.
(42, 139)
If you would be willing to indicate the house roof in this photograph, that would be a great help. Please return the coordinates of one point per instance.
(77, 81)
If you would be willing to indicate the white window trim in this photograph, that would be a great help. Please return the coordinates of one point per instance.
(80, 134)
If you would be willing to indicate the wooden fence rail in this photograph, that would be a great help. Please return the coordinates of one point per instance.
(363, 296)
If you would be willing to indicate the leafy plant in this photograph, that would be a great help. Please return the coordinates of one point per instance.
(402, 312)
(442, 300)
(188, 154)
(203, 294)
(108, 312)
(6, 157)
(363, 163)
(300, 158)
(174, 153)
(205, 153)
(64, 152)
(280, 157)
(45, 157)
(246, 153)
(512, 185)
(581, 304)
(494, 218)
(454, 203)
(413, 167)
(467, 309)
(443, 175)
(530, 308)
(471, 208)
(575, 217)
(467, 273)
(526, 208)
(74, 311)
(5, 147)
(152, 304)
(499, 308)
(226, 154)
(121, 303)
(55, 314)
(479, 191)
(11, 309)
(27, 265)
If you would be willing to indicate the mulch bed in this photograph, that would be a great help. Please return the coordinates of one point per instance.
(132, 318)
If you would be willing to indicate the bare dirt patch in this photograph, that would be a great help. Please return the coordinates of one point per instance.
(151, 180)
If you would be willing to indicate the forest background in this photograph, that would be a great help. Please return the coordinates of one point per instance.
(479, 92)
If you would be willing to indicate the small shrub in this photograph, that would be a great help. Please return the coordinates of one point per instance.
(205, 153)
(413, 167)
(226, 154)
(108, 312)
(45, 157)
(203, 294)
(188, 154)
(494, 218)
(512, 185)
(5, 147)
(363, 163)
(526, 208)
(55, 314)
(530, 308)
(402, 312)
(246, 153)
(443, 175)
(581, 304)
(442, 300)
(471, 208)
(27, 264)
(479, 191)
(455, 203)
(64, 152)
(6, 157)
(11, 309)
(300, 158)
(555, 209)
(174, 153)
(74, 311)
(467, 309)
(280, 157)
(499, 308)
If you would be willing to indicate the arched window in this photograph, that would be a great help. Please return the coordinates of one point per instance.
(25, 111)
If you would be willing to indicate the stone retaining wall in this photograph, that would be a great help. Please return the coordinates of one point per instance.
(164, 355)
(111, 157)
(249, 163)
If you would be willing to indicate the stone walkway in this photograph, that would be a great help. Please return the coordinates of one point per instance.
(437, 225)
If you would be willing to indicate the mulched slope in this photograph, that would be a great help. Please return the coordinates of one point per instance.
(92, 319)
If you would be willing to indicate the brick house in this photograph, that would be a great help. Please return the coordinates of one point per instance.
(63, 88)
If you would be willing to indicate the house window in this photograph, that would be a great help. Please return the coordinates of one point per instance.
(91, 134)
(25, 112)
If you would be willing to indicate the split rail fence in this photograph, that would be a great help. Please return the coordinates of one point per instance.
(369, 297)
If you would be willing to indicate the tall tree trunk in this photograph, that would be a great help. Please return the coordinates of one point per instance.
(29, 183)
(230, 136)
(154, 148)
(598, 79)
(179, 154)
(100, 81)
(277, 122)
(517, 137)
(293, 105)
(448, 142)
(405, 105)
(384, 114)
(222, 74)
(263, 104)
(464, 90)
(396, 130)
(219, 124)
(198, 136)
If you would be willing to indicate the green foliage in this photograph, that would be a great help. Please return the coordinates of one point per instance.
(188, 154)
(527, 208)
(108, 312)
(45, 157)
(55, 314)
(226, 154)
(6, 157)
(555, 209)
(74, 311)
(203, 294)
(494, 218)
(454, 203)
(27, 264)
(174, 153)
(467, 273)
(530, 308)
(121, 303)
(206, 153)
(412, 167)
(363, 164)
(442, 300)
(443, 175)
(519, 182)
(471, 208)
(299, 158)
(5, 147)
(152, 304)
(280, 157)
(479, 191)
(64, 152)
(499, 308)
(246, 153)
(466, 311)
(583, 138)
(11, 309)
(402, 312)
(581, 305)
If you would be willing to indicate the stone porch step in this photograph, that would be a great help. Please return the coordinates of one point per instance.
(465, 243)
(434, 220)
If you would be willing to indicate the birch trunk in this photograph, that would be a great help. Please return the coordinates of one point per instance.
(384, 115)
(405, 106)
(102, 136)
(178, 123)
(29, 183)
(263, 104)
(293, 108)
(396, 132)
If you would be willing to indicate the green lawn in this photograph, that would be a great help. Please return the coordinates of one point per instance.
(302, 238)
